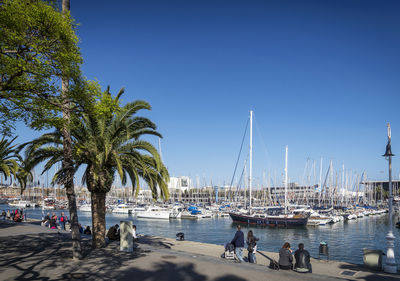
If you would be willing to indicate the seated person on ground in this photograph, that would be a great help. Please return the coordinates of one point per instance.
(302, 260)
(135, 238)
(87, 231)
(47, 217)
(113, 232)
(285, 257)
(17, 217)
(53, 223)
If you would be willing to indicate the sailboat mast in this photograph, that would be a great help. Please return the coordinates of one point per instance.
(320, 184)
(251, 158)
(286, 178)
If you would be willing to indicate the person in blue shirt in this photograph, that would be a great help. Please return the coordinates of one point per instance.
(238, 242)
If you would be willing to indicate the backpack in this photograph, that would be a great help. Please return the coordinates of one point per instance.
(273, 264)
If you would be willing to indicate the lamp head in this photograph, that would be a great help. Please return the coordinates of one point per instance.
(388, 151)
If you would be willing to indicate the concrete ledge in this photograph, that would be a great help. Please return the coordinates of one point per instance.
(29, 251)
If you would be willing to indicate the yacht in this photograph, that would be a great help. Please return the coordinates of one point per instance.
(122, 209)
(20, 204)
(318, 219)
(49, 204)
(274, 216)
(154, 212)
(176, 213)
(85, 208)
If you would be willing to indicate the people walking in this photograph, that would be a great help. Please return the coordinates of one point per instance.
(238, 242)
(251, 246)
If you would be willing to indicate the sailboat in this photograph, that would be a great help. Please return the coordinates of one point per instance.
(274, 216)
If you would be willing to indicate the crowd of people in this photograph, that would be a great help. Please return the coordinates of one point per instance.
(286, 259)
(55, 222)
(17, 215)
(60, 222)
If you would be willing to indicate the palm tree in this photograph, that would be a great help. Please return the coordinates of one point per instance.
(24, 174)
(107, 141)
(8, 158)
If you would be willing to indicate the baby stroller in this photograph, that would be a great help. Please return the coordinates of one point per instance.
(229, 253)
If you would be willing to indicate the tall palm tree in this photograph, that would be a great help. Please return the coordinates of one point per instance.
(107, 141)
(8, 158)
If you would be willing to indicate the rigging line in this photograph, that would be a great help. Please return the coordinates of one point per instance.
(241, 177)
(262, 140)
(240, 151)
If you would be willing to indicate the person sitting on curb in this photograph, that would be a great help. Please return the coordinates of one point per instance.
(238, 242)
(17, 218)
(113, 232)
(80, 228)
(285, 257)
(87, 231)
(53, 223)
(134, 235)
(303, 263)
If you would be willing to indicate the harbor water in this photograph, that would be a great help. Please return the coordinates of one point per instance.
(345, 239)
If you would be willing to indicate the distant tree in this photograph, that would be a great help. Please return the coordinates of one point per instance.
(378, 192)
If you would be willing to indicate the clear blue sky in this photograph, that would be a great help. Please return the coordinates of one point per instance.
(321, 76)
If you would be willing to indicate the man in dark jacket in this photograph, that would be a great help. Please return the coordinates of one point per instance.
(238, 241)
(302, 259)
(113, 232)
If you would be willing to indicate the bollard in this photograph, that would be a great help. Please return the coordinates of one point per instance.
(126, 238)
(323, 250)
(373, 259)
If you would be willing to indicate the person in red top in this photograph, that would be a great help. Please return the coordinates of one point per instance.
(63, 220)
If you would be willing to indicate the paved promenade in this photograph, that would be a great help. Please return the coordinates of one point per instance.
(32, 252)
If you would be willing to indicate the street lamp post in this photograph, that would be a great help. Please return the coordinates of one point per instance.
(390, 266)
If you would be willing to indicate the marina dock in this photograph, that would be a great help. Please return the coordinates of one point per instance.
(29, 251)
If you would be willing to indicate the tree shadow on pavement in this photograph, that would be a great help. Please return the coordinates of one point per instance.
(7, 224)
(163, 271)
(155, 242)
(36, 257)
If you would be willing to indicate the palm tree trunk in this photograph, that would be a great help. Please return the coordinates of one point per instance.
(68, 163)
(98, 219)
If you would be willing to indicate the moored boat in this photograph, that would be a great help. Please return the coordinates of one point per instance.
(277, 219)
(154, 212)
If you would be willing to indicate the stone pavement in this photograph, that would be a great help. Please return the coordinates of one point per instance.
(32, 252)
